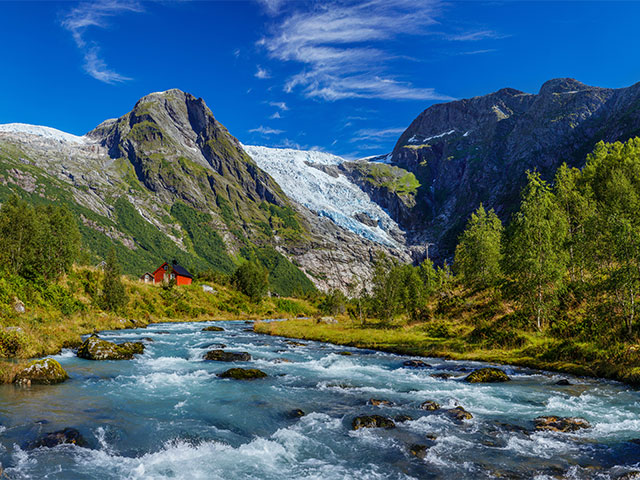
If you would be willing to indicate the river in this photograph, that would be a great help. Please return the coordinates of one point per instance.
(166, 415)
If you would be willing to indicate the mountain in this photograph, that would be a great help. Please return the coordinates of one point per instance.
(168, 181)
(477, 150)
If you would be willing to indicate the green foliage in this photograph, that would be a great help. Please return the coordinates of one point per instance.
(252, 280)
(285, 278)
(478, 255)
(114, 295)
(333, 303)
(11, 342)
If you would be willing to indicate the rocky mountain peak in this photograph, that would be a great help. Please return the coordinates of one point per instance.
(563, 85)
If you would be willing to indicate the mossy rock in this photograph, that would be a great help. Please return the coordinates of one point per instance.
(372, 421)
(487, 375)
(68, 436)
(560, 424)
(243, 374)
(418, 450)
(379, 403)
(94, 348)
(459, 414)
(429, 406)
(213, 328)
(415, 364)
(46, 372)
(222, 356)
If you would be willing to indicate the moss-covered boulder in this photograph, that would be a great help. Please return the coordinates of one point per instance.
(222, 356)
(459, 414)
(213, 328)
(415, 364)
(376, 402)
(243, 374)
(560, 424)
(402, 418)
(429, 406)
(372, 421)
(487, 375)
(94, 348)
(46, 372)
(69, 436)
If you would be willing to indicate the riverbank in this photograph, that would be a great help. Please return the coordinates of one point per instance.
(452, 341)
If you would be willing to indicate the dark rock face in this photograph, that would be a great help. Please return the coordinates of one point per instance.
(53, 439)
(487, 375)
(222, 356)
(372, 421)
(243, 374)
(213, 328)
(560, 424)
(478, 150)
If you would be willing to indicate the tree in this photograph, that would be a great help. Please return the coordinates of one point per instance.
(478, 254)
(536, 255)
(387, 289)
(333, 303)
(18, 235)
(59, 240)
(252, 280)
(114, 295)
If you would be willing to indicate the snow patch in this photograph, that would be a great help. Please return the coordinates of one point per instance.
(44, 132)
(414, 139)
(333, 197)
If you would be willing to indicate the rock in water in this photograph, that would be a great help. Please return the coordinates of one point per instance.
(243, 374)
(372, 421)
(402, 418)
(46, 372)
(415, 364)
(296, 413)
(429, 406)
(213, 328)
(222, 356)
(459, 414)
(95, 348)
(377, 403)
(418, 450)
(67, 436)
(487, 375)
(560, 424)
(563, 382)
(295, 344)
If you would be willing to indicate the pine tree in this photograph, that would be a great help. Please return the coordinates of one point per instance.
(478, 255)
(252, 280)
(536, 258)
(114, 295)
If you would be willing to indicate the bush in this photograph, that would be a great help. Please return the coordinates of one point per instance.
(11, 342)
(252, 280)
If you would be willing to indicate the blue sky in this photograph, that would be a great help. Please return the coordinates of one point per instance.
(344, 77)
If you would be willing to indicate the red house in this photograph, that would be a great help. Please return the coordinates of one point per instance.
(167, 272)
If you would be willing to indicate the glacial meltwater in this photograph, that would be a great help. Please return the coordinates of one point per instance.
(167, 415)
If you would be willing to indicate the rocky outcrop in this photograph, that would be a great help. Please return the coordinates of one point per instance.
(243, 374)
(459, 414)
(94, 348)
(46, 372)
(415, 364)
(560, 424)
(68, 436)
(372, 421)
(213, 328)
(429, 405)
(222, 356)
(487, 375)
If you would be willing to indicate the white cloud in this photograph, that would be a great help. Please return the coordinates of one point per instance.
(342, 47)
(272, 6)
(377, 134)
(275, 115)
(266, 131)
(281, 105)
(262, 73)
(479, 52)
(96, 14)
(475, 36)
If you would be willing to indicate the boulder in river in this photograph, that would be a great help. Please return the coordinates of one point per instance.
(94, 348)
(46, 372)
(372, 421)
(415, 364)
(487, 375)
(418, 450)
(377, 402)
(296, 413)
(459, 414)
(429, 406)
(563, 382)
(67, 436)
(560, 424)
(345, 353)
(243, 374)
(441, 376)
(295, 344)
(213, 328)
(402, 418)
(222, 356)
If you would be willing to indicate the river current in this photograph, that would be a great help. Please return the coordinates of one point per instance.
(166, 415)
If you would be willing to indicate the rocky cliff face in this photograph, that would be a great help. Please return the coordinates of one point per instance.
(478, 150)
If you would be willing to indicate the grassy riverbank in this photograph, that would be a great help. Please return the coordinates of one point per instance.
(57, 314)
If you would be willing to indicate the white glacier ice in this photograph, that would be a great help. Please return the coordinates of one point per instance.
(334, 197)
(45, 132)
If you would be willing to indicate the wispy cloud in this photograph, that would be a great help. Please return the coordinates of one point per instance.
(342, 48)
(275, 116)
(96, 14)
(266, 131)
(479, 52)
(281, 105)
(475, 36)
(377, 134)
(262, 73)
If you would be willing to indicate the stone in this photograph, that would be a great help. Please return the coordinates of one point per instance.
(402, 418)
(560, 424)
(372, 421)
(18, 306)
(327, 320)
(441, 376)
(46, 372)
(213, 328)
(94, 348)
(133, 347)
(295, 344)
(345, 353)
(377, 403)
(67, 436)
(459, 414)
(296, 413)
(487, 375)
(222, 356)
(418, 450)
(429, 406)
(243, 374)
(208, 289)
(563, 382)
(415, 364)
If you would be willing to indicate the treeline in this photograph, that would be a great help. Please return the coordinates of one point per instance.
(569, 259)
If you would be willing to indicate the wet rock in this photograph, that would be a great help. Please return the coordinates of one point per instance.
(243, 374)
(372, 421)
(249, 322)
(345, 353)
(213, 328)
(377, 403)
(429, 406)
(418, 450)
(295, 344)
(67, 436)
(147, 339)
(163, 332)
(415, 364)
(563, 382)
(459, 414)
(222, 356)
(560, 424)
(441, 376)
(296, 413)
(487, 375)
(327, 320)
(94, 348)
(46, 372)
(402, 418)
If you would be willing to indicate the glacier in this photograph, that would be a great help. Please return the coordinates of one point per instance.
(336, 198)
(44, 132)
